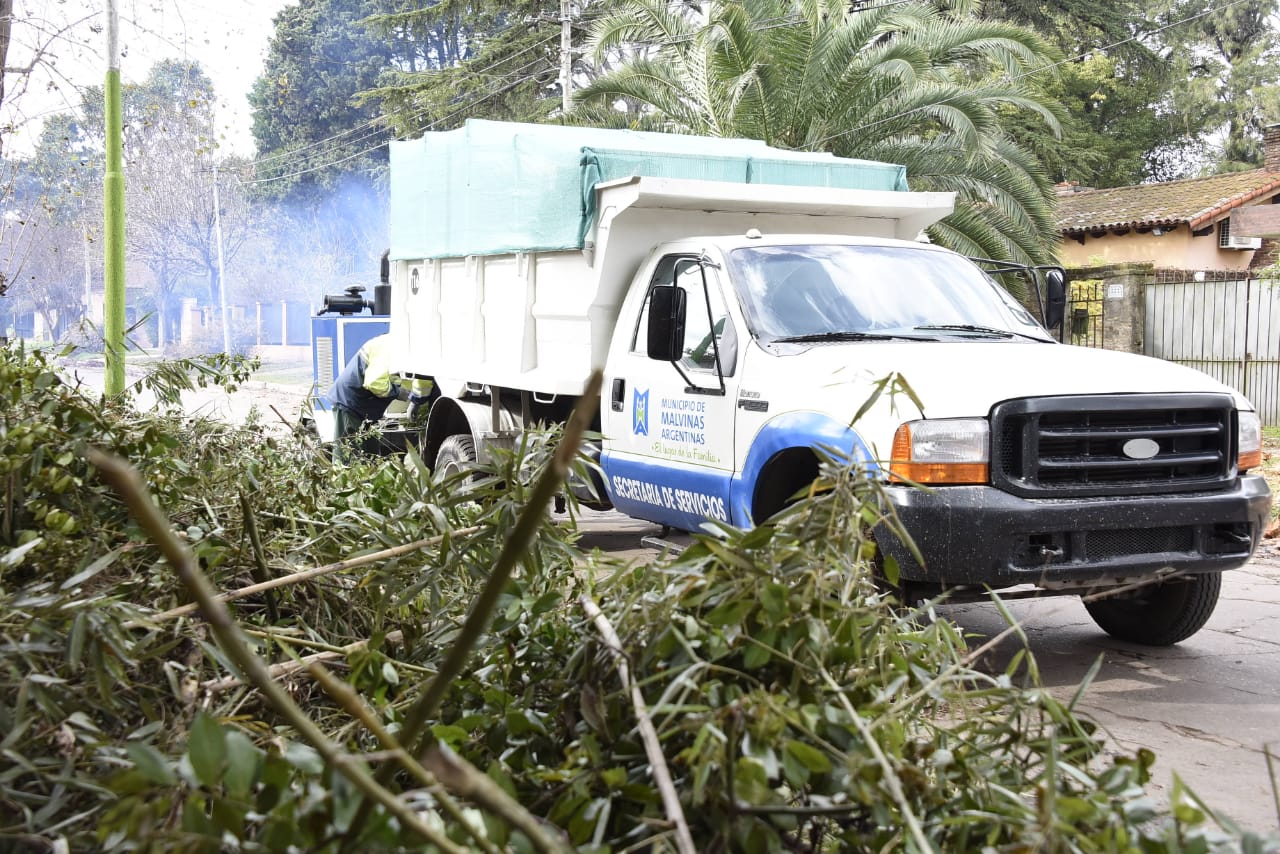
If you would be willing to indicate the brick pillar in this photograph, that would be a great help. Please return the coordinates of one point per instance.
(1124, 307)
(1271, 147)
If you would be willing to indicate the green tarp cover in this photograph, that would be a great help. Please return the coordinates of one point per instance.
(494, 187)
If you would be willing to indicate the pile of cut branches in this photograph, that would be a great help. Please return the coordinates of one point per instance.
(380, 660)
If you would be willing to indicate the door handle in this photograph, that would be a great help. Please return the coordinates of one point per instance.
(619, 392)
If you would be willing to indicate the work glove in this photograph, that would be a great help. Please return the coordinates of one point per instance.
(417, 405)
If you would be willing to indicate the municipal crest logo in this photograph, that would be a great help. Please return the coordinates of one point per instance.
(640, 412)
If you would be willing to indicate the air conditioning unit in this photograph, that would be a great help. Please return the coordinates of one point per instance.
(1227, 239)
(1235, 241)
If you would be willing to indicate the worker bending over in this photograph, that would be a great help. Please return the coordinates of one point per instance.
(365, 388)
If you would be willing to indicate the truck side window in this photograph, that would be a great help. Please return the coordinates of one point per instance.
(702, 327)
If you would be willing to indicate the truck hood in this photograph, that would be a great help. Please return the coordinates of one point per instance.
(964, 379)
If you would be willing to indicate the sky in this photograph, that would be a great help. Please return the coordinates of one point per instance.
(229, 38)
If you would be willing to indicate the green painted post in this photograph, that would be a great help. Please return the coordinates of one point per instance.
(113, 216)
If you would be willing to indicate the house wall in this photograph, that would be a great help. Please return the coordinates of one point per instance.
(1174, 249)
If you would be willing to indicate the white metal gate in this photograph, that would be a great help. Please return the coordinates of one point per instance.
(1227, 326)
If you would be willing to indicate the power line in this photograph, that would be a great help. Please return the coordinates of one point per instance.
(771, 23)
(1123, 42)
(462, 109)
(374, 122)
(516, 77)
(369, 129)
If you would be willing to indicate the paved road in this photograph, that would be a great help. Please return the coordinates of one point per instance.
(1207, 707)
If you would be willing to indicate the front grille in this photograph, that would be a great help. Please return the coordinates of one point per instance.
(1113, 444)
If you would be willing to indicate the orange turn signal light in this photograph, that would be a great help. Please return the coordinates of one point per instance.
(903, 469)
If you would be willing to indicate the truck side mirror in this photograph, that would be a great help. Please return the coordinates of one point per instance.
(667, 307)
(1055, 297)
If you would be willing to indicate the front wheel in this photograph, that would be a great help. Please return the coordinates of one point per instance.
(456, 453)
(1159, 614)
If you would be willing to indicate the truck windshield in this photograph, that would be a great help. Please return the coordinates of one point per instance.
(803, 292)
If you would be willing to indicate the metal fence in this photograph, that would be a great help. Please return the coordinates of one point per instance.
(1226, 324)
(1085, 323)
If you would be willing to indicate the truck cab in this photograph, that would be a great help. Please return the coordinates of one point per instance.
(1014, 460)
(799, 326)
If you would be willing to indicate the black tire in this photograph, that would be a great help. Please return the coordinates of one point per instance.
(1161, 614)
(456, 453)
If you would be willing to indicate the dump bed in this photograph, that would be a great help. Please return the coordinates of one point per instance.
(491, 188)
(512, 247)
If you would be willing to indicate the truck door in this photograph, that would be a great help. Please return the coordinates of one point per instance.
(669, 426)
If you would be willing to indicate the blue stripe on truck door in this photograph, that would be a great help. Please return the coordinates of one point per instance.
(681, 496)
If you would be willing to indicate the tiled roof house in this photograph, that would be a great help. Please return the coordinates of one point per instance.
(1181, 225)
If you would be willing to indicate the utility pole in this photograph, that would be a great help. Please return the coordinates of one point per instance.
(113, 216)
(566, 58)
(88, 263)
(222, 279)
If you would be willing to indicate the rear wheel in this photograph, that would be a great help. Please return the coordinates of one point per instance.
(456, 453)
(1159, 614)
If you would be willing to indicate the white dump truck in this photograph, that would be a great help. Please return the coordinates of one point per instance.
(743, 302)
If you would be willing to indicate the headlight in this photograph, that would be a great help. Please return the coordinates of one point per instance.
(1249, 440)
(944, 451)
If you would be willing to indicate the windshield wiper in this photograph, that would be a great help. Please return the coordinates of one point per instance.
(980, 330)
(969, 327)
(814, 337)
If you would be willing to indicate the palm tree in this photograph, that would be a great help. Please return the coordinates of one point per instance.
(915, 82)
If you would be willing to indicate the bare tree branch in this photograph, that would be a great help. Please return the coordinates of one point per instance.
(648, 734)
(14, 79)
